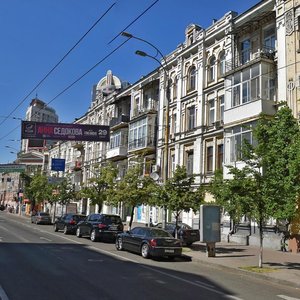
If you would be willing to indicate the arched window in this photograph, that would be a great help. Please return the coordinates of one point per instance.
(212, 69)
(222, 64)
(191, 86)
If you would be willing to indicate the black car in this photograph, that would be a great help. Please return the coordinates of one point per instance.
(185, 233)
(41, 218)
(149, 241)
(68, 222)
(100, 227)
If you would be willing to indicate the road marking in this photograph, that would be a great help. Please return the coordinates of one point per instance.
(160, 281)
(43, 238)
(95, 260)
(233, 297)
(3, 295)
(287, 297)
(206, 284)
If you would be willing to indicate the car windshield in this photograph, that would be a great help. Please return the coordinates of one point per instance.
(159, 233)
(112, 220)
(44, 214)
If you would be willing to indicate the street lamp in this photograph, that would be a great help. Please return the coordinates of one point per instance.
(167, 97)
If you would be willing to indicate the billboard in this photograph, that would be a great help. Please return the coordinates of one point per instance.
(64, 131)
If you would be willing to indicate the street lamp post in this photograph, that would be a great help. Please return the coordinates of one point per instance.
(167, 98)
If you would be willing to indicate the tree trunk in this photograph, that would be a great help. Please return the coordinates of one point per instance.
(131, 218)
(176, 225)
(260, 260)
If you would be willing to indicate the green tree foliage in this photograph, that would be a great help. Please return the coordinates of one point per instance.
(133, 190)
(39, 189)
(178, 194)
(101, 187)
(268, 185)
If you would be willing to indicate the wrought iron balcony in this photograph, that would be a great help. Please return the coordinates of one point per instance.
(123, 119)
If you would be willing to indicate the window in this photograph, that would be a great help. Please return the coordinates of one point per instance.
(118, 139)
(174, 123)
(190, 163)
(138, 134)
(173, 165)
(211, 112)
(191, 118)
(245, 51)
(174, 87)
(220, 153)
(209, 158)
(269, 39)
(246, 86)
(222, 106)
(191, 79)
(211, 69)
(222, 64)
(237, 138)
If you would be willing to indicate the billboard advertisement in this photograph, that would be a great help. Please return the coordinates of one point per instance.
(64, 131)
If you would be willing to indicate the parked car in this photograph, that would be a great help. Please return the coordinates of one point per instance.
(68, 222)
(100, 227)
(149, 241)
(185, 233)
(41, 218)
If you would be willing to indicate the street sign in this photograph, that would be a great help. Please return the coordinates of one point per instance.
(12, 168)
(58, 164)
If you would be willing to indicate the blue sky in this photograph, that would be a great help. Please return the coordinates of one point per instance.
(36, 34)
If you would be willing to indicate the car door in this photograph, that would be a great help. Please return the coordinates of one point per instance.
(61, 222)
(85, 225)
(137, 238)
(131, 238)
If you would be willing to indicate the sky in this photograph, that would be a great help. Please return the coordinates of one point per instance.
(37, 34)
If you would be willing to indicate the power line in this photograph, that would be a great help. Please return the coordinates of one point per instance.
(58, 63)
(133, 21)
(68, 87)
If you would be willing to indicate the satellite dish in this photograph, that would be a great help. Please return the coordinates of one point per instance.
(154, 176)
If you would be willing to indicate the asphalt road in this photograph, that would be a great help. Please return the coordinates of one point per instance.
(38, 263)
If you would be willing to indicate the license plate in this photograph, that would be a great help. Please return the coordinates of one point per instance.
(169, 251)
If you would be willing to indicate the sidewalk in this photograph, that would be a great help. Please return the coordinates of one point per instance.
(286, 265)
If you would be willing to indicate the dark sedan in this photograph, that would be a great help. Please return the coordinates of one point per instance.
(41, 218)
(149, 241)
(100, 227)
(185, 233)
(68, 223)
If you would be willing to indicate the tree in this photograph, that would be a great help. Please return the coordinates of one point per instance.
(178, 194)
(38, 189)
(133, 190)
(101, 187)
(268, 185)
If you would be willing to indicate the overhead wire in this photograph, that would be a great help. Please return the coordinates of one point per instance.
(59, 62)
(93, 67)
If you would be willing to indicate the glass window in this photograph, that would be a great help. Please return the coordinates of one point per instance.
(222, 106)
(189, 162)
(220, 156)
(222, 64)
(211, 112)
(269, 38)
(174, 88)
(192, 79)
(191, 118)
(245, 51)
(209, 159)
(211, 69)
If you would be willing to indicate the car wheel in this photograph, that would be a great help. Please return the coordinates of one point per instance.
(66, 230)
(93, 236)
(119, 243)
(78, 233)
(145, 250)
(55, 228)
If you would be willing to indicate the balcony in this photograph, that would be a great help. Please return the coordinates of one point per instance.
(117, 152)
(119, 122)
(247, 57)
(144, 143)
(138, 111)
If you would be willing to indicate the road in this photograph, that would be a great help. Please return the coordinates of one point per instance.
(38, 263)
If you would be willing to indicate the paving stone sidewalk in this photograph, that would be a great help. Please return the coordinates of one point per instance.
(286, 265)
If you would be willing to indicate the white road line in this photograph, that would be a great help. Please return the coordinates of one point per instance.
(3, 295)
(287, 297)
(206, 284)
(160, 281)
(233, 297)
(95, 260)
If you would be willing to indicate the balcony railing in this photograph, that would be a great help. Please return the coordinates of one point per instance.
(249, 56)
(119, 120)
(141, 110)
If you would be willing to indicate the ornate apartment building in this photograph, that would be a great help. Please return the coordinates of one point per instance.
(199, 106)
